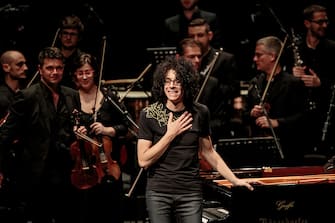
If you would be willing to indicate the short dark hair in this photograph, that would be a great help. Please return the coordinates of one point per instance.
(309, 11)
(187, 42)
(50, 53)
(200, 22)
(86, 58)
(72, 22)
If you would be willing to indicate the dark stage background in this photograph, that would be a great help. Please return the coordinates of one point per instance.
(132, 26)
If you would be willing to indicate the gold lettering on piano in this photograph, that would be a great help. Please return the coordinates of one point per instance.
(284, 220)
(284, 205)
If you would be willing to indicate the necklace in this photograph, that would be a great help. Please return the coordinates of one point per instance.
(90, 103)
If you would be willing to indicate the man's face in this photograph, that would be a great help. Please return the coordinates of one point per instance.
(318, 25)
(263, 59)
(52, 71)
(17, 67)
(193, 54)
(199, 34)
(172, 88)
(69, 38)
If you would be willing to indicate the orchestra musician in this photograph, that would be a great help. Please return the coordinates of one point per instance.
(276, 100)
(190, 49)
(40, 117)
(172, 132)
(107, 125)
(14, 71)
(71, 31)
(316, 69)
(221, 66)
(175, 27)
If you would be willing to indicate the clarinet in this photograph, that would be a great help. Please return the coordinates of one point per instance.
(299, 63)
(329, 114)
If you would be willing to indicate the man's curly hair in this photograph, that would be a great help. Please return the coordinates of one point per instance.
(185, 73)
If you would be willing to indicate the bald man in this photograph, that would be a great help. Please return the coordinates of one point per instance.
(14, 67)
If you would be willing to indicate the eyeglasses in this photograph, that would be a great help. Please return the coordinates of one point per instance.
(81, 73)
(175, 82)
(320, 21)
(260, 54)
(64, 33)
(52, 68)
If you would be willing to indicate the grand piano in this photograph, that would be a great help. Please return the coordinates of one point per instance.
(303, 194)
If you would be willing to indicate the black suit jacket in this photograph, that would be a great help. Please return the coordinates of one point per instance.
(45, 132)
(176, 27)
(223, 87)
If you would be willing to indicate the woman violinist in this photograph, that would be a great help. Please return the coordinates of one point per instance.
(106, 124)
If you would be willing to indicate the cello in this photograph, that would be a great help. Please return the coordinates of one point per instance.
(84, 175)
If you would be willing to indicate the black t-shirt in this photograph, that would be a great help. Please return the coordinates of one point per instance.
(177, 170)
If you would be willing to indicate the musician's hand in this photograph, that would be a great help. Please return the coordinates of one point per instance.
(256, 111)
(263, 122)
(97, 128)
(80, 129)
(181, 124)
(299, 71)
(311, 80)
(245, 183)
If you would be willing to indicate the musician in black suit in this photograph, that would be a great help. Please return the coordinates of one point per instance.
(175, 27)
(40, 117)
(209, 92)
(276, 100)
(315, 52)
(220, 65)
(192, 51)
(71, 32)
(14, 70)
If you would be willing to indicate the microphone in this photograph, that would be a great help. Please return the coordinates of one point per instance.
(96, 15)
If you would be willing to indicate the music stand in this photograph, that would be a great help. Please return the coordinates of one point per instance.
(249, 152)
(158, 54)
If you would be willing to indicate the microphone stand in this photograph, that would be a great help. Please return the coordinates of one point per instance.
(126, 114)
(131, 86)
(276, 18)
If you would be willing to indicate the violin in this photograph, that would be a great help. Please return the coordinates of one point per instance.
(84, 175)
(107, 168)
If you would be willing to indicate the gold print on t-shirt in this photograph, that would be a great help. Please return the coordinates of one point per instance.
(158, 112)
